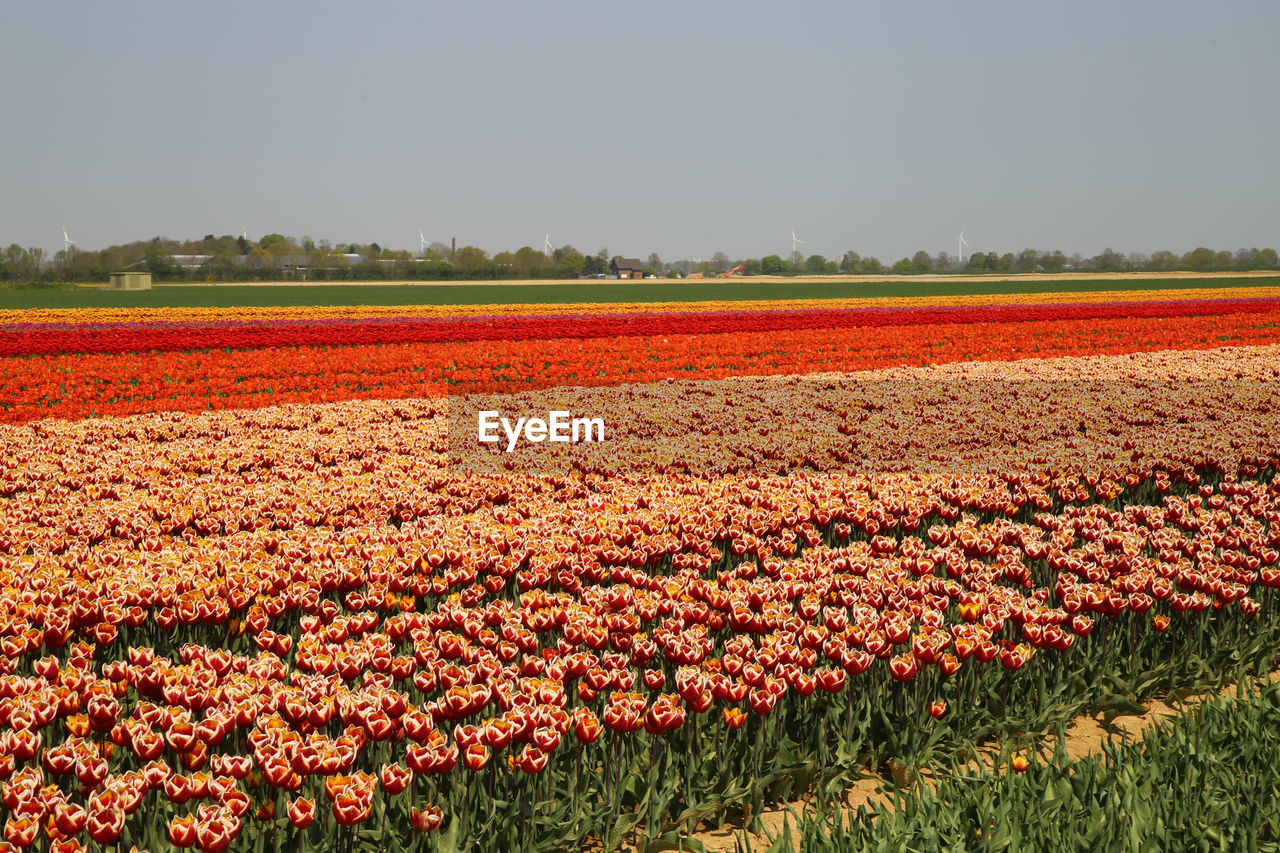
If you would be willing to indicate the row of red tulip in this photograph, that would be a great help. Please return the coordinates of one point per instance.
(128, 337)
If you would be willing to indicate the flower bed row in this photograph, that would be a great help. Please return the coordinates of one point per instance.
(284, 333)
(18, 319)
(77, 386)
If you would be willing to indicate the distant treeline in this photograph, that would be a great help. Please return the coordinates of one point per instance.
(275, 257)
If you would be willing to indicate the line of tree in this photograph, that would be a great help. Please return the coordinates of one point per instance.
(275, 256)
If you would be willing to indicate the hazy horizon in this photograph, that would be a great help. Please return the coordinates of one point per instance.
(669, 128)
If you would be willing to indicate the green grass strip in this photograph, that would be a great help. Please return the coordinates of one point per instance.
(738, 290)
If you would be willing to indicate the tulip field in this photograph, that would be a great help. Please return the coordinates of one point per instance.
(261, 588)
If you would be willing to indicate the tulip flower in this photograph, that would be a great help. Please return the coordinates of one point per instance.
(476, 757)
(498, 733)
(67, 845)
(351, 796)
(21, 831)
(105, 825)
(70, 818)
(182, 831)
(532, 759)
(427, 819)
(904, 667)
(302, 812)
(215, 833)
(761, 701)
(665, 714)
(734, 718)
(395, 778)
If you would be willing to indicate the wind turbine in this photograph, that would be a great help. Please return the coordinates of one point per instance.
(67, 242)
(546, 245)
(961, 242)
(794, 241)
(422, 243)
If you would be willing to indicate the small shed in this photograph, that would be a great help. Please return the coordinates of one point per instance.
(627, 268)
(130, 281)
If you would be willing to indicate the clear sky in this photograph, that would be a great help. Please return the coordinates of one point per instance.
(683, 128)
